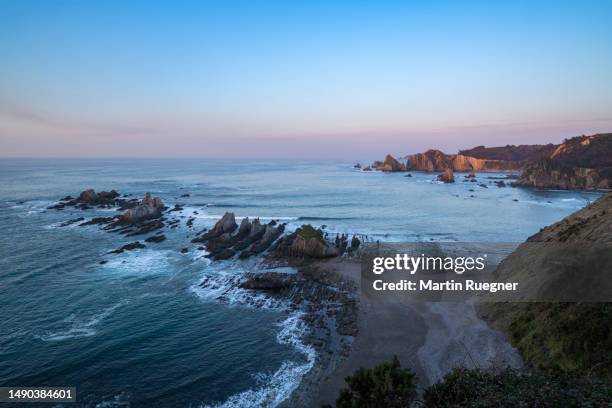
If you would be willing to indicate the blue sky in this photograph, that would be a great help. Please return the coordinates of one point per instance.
(298, 79)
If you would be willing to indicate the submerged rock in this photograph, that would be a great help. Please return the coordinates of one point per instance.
(156, 238)
(128, 247)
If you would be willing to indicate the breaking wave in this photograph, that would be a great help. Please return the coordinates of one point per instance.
(80, 328)
(272, 389)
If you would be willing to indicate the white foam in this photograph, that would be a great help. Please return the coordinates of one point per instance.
(140, 262)
(32, 207)
(80, 328)
(281, 384)
(223, 285)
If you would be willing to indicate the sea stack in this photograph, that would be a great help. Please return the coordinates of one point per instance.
(447, 176)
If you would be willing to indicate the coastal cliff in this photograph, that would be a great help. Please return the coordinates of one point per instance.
(568, 336)
(583, 162)
(579, 163)
(435, 160)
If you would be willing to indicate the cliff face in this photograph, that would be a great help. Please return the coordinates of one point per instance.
(570, 256)
(435, 160)
(583, 162)
(548, 173)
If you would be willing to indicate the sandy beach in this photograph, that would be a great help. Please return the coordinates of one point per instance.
(431, 338)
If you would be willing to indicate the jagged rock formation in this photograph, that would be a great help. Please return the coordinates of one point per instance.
(250, 238)
(88, 199)
(226, 240)
(583, 162)
(149, 208)
(305, 242)
(390, 164)
(447, 176)
(140, 216)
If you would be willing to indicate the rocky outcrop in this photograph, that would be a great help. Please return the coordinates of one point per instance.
(149, 208)
(583, 163)
(447, 176)
(226, 239)
(553, 174)
(305, 242)
(390, 164)
(88, 199)
(139, 217)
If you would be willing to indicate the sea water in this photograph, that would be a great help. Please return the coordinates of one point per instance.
(138, 330)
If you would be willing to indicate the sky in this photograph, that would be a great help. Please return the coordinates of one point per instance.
(311, 79)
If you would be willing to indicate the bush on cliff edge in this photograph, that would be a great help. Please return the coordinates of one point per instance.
(387, 385)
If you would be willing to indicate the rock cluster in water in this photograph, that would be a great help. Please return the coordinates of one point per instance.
(139, 217)
(228, 239)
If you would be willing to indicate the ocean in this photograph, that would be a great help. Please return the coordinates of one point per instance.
(139, 331)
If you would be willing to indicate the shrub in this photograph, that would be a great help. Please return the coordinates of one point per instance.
(475, 388)
(387, 385)
(308, 231)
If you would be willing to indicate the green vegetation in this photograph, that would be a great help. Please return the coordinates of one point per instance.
(355, 242)
(308, 231)
(390, 386)
(387, 385)
(476, 388)
(572, 337)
